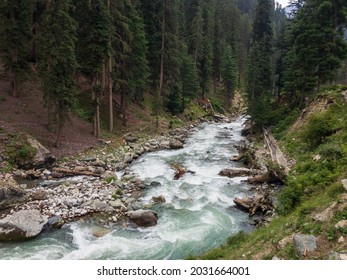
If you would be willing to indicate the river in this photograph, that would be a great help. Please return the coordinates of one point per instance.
(198, 215)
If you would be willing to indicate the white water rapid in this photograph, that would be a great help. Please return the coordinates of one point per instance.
(198, 214)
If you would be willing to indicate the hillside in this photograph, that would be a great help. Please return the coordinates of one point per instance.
(312, 206)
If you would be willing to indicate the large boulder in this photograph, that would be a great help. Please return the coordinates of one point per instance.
(11, 193)
(28, 153)
(143, 218)
(248, 128)
(22, 225)
(304, 243)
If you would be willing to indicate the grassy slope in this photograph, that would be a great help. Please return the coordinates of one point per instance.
(311, 187)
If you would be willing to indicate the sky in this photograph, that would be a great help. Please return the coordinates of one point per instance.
(284, 3)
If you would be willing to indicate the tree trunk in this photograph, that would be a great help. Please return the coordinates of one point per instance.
(123, 107)
(96, 99)
(57, 142)
(161, 80)
(110, 94)
(13, 83)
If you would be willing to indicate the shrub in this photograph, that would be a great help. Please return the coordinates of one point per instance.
(318, 129)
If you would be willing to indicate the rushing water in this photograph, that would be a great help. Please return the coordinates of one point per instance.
(198, 215)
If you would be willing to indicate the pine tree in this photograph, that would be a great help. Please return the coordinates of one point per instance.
(259, 83)
(229, 72)
(15, 36)
(139, 77)
(58, 63)
(93, 48)
(189, 78)
(315, 47)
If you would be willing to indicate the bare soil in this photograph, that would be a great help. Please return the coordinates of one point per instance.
(27, 114)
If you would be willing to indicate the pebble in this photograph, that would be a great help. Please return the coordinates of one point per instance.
(69, 197)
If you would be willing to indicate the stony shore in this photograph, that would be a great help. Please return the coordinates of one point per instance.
(99, 183)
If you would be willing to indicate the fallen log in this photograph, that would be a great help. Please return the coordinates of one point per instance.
(261, 203)
(237, 172)
(69, 172)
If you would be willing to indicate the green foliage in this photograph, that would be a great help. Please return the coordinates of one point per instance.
(58, 63)
(259, 77)
(217, 106)
(15, 36)
(109, 180)
(318, 129)
(315, 46)
(229, 72)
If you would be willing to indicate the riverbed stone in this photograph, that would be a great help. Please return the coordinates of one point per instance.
(22, 225)
(11, 193)
(176, 144)
(116, 204)
(143, 218)
(304, 243)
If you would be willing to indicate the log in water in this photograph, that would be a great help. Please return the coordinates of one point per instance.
(197, 213)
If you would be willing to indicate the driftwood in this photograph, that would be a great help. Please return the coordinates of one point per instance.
(260, 203)
(69, 172)
(180, 170)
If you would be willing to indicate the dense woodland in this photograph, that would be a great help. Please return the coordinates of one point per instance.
(174, 50)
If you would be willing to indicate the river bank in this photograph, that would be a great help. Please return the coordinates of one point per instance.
(97, 183)
(197, 208)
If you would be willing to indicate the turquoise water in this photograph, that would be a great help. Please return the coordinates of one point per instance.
(198, 214)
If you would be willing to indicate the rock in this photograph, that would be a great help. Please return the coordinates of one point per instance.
(100, 231)
(116, 204)
(130, 139)
(285, 241)
(334, 256)
(341, 240)
(176, 144)
(98, 205)
(143, 218)
(159, 199)
(22, 225)
(344, 183)
(275, 258)
(304, 243)
(11, 193)
(39, 195)
(326, 215)
(109, 174)
(247, 130)
(99, 170)
(337, 256)
(128, 158)
(155, 184)
(55, 222)
(42, 157)
(341, 224)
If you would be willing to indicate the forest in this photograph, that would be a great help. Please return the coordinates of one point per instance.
(102, 60)
(174, 50)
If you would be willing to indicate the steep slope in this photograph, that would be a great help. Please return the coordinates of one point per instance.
(312, 206)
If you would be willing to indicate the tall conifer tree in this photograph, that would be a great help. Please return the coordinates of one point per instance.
(58, 63)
